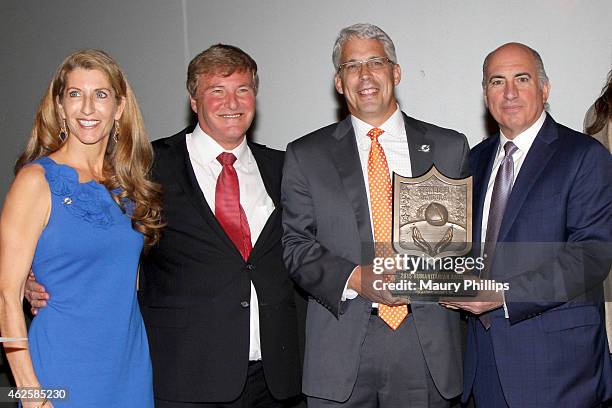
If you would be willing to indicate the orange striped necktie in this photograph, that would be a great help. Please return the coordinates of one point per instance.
(381, 201)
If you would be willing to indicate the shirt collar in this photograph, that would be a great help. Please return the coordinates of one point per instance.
(208, 149)
(394, 126)
(524, 140)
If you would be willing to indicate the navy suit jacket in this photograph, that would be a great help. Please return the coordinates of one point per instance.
(554, 252)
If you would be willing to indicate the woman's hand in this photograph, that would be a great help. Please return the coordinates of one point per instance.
(35, 293)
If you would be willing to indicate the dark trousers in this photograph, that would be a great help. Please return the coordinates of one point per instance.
(392, 372)
(254, 395)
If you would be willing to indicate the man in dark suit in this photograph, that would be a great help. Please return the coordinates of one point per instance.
(360, 352)
(216, 298)
(543, 209)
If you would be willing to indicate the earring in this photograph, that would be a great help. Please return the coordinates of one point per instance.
(116, 132)
(63, 134)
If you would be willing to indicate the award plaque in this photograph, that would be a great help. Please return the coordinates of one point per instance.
(432, 220)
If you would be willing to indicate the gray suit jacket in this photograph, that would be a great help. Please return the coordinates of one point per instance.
(327, 232)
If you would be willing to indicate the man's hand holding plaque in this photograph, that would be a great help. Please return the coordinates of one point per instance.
(484, 301)
(368, 284)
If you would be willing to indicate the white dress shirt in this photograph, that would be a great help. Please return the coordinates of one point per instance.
(523, 142)
(203, 151)
(395, 144)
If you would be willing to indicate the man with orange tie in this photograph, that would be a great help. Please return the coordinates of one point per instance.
(366, 348)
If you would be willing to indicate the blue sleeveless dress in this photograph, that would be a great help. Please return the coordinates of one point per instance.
(90, 339)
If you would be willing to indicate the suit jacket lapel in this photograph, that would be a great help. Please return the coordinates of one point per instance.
(270, 174)
(346, 159)
(186, 178)
(269, 171)
(481, 174)
(536, 160)
(419, 145)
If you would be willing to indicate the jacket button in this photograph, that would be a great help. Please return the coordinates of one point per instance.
(244, 304)
(250, 267)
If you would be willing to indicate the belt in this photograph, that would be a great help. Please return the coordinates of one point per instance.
(374, 310)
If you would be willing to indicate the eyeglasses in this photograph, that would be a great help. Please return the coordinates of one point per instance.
(373, 64)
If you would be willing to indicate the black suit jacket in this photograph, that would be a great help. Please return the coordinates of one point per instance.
(196, 290)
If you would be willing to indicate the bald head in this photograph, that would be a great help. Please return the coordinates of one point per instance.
(542, 77)
(515, 87)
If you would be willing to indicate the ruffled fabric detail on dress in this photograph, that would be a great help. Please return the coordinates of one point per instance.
(127, 205)
(83, 200)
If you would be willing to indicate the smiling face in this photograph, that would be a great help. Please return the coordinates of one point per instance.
(513, 92)
(89, 105)
(369, 94)
(225, 106)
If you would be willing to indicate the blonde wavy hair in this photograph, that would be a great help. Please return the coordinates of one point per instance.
(127, 162)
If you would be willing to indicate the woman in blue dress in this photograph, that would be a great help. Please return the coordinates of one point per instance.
(78, 214)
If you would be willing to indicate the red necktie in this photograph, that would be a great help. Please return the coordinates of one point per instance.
(228, 210)
(381, 200)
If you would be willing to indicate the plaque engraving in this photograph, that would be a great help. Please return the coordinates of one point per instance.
(432, 220)
(432, 215)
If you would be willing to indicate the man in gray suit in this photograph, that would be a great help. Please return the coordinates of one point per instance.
(331, 194)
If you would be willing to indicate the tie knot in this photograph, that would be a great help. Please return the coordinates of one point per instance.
(226, 159)
(510, 148)
(374, 133)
